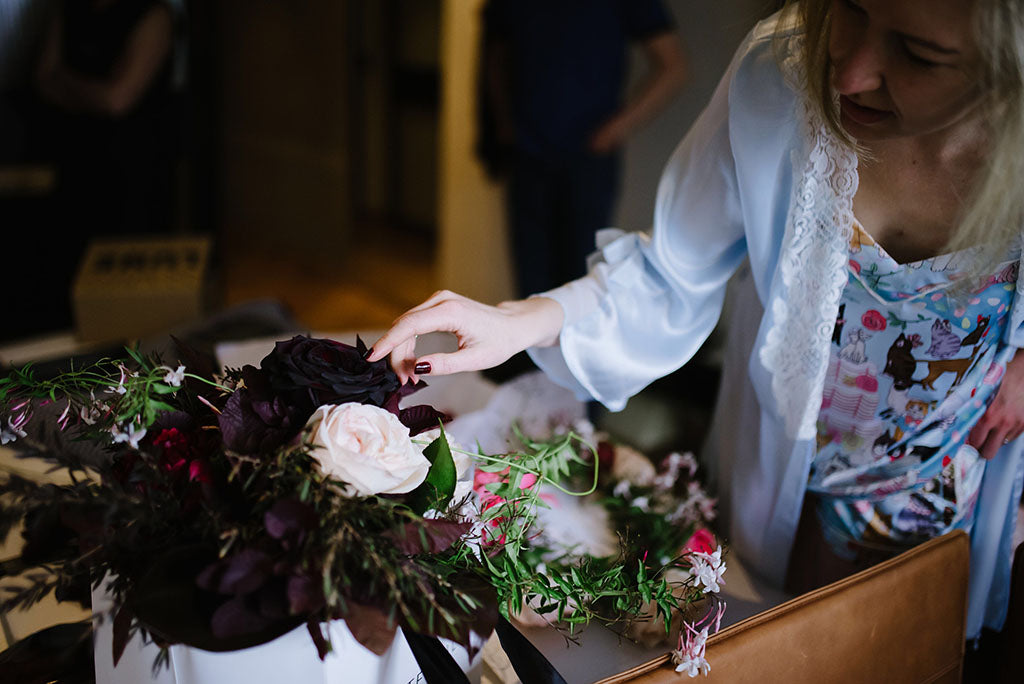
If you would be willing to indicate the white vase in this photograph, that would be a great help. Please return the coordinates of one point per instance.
(291, 657)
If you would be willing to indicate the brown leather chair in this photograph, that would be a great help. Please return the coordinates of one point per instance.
(900, 621)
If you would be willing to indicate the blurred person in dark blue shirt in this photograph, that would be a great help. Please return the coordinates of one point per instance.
(554, 78)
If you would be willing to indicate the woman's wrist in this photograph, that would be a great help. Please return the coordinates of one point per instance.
(538, 318)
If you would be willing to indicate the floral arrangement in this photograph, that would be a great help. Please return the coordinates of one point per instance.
(223, 508)
(650, 520)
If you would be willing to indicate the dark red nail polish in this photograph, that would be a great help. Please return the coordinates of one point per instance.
(422, 368)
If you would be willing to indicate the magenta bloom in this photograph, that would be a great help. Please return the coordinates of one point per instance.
(872, 320)
(702, 541)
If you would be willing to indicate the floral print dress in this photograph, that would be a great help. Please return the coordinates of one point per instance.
(913, 367)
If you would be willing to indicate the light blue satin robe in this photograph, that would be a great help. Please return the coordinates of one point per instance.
(744, 186)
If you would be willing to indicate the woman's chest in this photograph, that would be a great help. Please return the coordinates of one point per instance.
(911, 208)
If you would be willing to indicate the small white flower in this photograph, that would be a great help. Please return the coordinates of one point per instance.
(643, 503)
(584, 428)
(689, 657)
(664, 481)
(174, 378)
(131, 436)
(676, 461)
(708, 568)
(698, 505)
(621, 488)
(10, 432)
(120, 388)
(692, 666)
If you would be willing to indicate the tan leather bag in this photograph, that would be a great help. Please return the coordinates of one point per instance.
(900, 621)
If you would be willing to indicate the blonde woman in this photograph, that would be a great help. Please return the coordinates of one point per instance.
(863, 159)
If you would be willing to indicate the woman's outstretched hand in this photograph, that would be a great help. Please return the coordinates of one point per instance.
(487, 335)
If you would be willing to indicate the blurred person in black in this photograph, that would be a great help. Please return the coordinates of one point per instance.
(105, 67)
(555, 118)
(102, 114)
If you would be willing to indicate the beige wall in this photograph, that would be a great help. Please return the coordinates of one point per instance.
(710, 31)
(284, 112)
(473, 254)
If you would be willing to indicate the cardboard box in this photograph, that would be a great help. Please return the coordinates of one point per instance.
(134, 287)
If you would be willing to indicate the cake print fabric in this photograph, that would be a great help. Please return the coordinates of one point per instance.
(914, 363)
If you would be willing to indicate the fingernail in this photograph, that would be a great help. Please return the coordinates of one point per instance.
(422, 368)
(368, 353)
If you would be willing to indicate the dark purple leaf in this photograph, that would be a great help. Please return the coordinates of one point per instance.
(370, 627)
(121, 631)
(289, 518)
(429, 536)
(322, 647)
(209, 577)
(244, 572)
(305, 595)
(481, 621)
(256, 421)
(422, 418)
(395, 398)
(273, 599)
(234, 617)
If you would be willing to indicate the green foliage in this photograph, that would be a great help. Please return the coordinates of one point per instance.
(436, 491)
(567, 587)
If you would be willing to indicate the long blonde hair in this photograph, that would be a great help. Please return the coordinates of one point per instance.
(993, 215)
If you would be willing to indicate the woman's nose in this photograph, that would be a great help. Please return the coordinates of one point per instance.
(860, 68)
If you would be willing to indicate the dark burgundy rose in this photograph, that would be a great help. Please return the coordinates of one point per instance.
(256, 419)
(315, 372)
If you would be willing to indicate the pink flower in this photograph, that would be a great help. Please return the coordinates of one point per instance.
(873, 320)
(199, 471)
(702, 541)
(489, 500)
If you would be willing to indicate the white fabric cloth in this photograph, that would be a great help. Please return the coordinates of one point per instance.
(758, 177)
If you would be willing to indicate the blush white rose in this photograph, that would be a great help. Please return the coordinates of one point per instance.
(367, 447)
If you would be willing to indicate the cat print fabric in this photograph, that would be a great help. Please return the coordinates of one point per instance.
(914, 365)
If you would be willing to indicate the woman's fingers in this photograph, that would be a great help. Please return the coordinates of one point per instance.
(993, 443)
(990, 434)
(408, 326)
(403, 360)
(469, 358)
(487, 335)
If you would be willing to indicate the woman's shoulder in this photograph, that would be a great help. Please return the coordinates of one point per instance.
(763, 88)
(770, 59)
